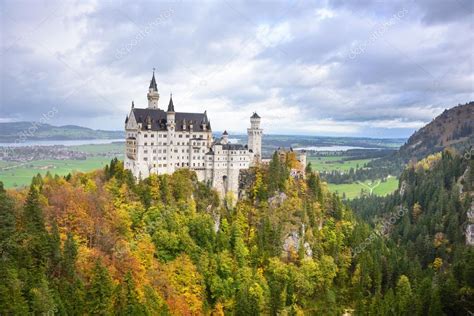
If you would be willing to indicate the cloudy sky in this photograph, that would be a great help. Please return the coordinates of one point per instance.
(367, 68)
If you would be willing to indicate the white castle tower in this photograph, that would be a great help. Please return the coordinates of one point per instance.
(153, 95)
(255, 138)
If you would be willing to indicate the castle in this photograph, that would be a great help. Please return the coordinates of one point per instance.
(160, 142)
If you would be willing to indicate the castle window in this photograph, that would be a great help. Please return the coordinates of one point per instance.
(145, 144)
(180, 136)
(146, 135)
(152, 144)
(145, 151)
(187, 136)
(152, 135)
(145, 158)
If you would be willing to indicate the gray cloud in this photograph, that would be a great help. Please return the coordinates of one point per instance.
(338, 67)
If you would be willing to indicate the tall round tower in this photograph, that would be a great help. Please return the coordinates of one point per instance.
(255, 137)
(153, 95)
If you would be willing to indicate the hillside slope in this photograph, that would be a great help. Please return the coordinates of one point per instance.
(28, 131)
(453, 128)
(424, 226)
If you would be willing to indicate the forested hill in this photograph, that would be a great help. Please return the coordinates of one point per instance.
(33, 131)
(423, 227)
(453, 128)
(99, 243)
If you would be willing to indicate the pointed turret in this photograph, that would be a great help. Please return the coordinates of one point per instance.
(171, 105)
(205, 122)
(153, 85)
(170, 115)
(225, 138)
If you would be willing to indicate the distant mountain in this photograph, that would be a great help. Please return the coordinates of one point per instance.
(453, 128)
(32, 131)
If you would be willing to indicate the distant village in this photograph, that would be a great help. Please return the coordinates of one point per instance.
(55, 152)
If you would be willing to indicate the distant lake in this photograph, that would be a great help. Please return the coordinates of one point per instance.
(62, 142)
(331, 148)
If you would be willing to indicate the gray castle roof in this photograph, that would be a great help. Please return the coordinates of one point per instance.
(157, 119)
(229, 146)
(255, 115)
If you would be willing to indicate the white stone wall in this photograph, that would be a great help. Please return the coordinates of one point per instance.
(223, 168)
(163, 152)
(166, 151)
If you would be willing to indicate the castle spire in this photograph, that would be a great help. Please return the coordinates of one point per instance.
(153, 85)
(171, 105)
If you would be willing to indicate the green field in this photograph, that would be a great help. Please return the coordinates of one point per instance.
(378, 187)
(98, 155)
(331, 163)
(352, 190)
(21, 173)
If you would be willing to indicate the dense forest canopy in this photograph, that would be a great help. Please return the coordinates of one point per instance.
(99, 243)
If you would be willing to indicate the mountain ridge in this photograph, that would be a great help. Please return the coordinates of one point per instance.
(454, 128)
(33, 131)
